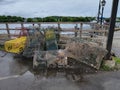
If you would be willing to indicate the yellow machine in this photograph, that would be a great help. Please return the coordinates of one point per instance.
(16, 45)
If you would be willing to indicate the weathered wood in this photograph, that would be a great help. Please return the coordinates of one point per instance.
(60, 29)
(117, 29)
(76, 30)
(66, 30)
(39, 25)
(59, 26)
(64, 38)
(22, 25)
(81, 26)
(99, 31)
(7, 28)
(11, 28)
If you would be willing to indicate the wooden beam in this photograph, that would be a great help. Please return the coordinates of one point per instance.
(7, 28)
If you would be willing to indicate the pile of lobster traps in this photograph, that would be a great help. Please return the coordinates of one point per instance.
(43, 45)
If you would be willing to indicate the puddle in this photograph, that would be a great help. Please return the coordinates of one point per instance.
(16, 66)
(10, 66)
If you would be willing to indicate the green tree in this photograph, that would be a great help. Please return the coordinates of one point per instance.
(29, 20)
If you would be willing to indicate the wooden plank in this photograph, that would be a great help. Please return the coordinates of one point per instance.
(81, 27)
(65, 30)
(95, 31)
(117, 29)
(22, 25)
(7, 28)
(11, 28)
(64, 38)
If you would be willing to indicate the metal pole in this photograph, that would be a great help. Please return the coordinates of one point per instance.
(99, 11)
(111, 29)
(101, 21)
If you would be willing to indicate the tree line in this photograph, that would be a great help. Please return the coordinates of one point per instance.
(50, 19)
(11, 19)
(61, 19)
(46, 19)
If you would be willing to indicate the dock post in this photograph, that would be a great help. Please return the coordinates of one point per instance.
(8, 30)
(22, 26)
(58, 33)
(81, 26)
(76, 30)
(33, 24)
(59, 26)
(39, 25)
(111, 29)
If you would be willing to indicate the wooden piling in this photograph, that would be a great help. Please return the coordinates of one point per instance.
(81, 27)
(22, 25)
(39, 25)
(8, 31)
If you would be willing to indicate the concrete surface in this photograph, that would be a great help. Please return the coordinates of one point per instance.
(17, 74)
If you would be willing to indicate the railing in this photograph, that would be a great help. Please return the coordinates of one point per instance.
(79, 27)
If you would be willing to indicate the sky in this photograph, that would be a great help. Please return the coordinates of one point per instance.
(43, 8)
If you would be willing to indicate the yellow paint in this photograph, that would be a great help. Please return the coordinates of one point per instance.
(16, 45)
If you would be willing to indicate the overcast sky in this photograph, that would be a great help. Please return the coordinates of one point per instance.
(42, 8)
